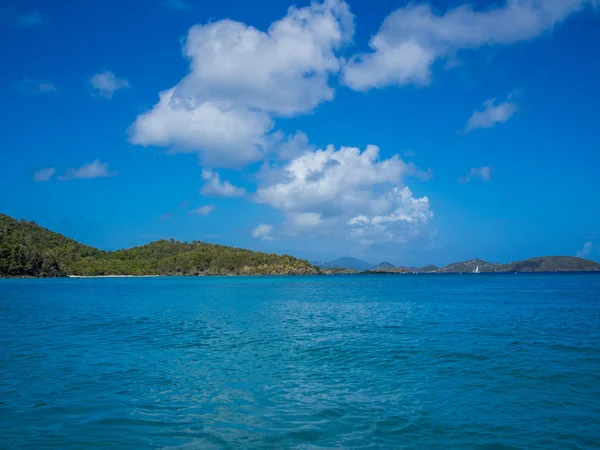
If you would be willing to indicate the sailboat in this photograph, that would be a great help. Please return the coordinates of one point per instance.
(476, 269)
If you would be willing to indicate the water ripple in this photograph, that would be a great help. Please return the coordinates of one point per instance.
(411, 362)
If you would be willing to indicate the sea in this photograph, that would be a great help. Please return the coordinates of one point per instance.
(505, 361)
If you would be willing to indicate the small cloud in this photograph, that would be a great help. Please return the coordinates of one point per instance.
(44, 174)
(483, 173)
(31, 20)
(214, 185)
(409, 153)
(36, 87)
(263, 232)
(165, 217)
(184, 204)
(452, 63)
(180, 5)
(204, 210)
(491, 115)
(95, 169)
(585, 250)
(107, 83)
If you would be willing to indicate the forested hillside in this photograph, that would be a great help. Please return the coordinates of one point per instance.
(27, 249)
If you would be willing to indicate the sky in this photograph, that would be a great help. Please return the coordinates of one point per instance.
(413, 133)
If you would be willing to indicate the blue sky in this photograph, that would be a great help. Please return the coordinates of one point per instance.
(414, 133)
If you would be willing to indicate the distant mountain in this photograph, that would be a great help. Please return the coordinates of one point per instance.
(344, 263)
(28, 250)
(538, 264)
(382, 266)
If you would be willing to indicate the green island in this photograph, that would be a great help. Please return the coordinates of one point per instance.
(28, 250)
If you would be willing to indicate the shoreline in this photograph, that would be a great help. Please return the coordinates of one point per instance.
(110, 276)
(557, 272)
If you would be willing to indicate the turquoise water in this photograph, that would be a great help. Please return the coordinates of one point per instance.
(412, 362)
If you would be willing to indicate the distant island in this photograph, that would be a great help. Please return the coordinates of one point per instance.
(28, 250)
(537, 264)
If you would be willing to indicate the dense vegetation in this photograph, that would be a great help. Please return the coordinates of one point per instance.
(27, 249)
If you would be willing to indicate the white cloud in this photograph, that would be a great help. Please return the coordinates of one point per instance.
(225, 136)
(585, 251)
(44, 174)
(483, 173)
(413, 37)
(264, 232)
(214, 185)
(95, 169)
(491, 115)
(204, 210)
(241, 78)
(289, 147)
(304, 221)
(284, 70)
(352, 192)
(36, 87)
(404, 220)
(33, 19)
(107, 83)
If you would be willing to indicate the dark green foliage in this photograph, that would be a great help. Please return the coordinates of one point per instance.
(27, 249)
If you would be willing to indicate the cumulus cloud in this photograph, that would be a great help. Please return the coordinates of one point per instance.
(349, 190)
(36, 87)
(241, 78)
(483, 173)
(491, 115)
(289, 147)
(585, 250)
(107, 83)
(44, 174)
(264, 232)
(204, 210)
(214, 185)
(223, 135)
(95, 169)
(413, 37)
